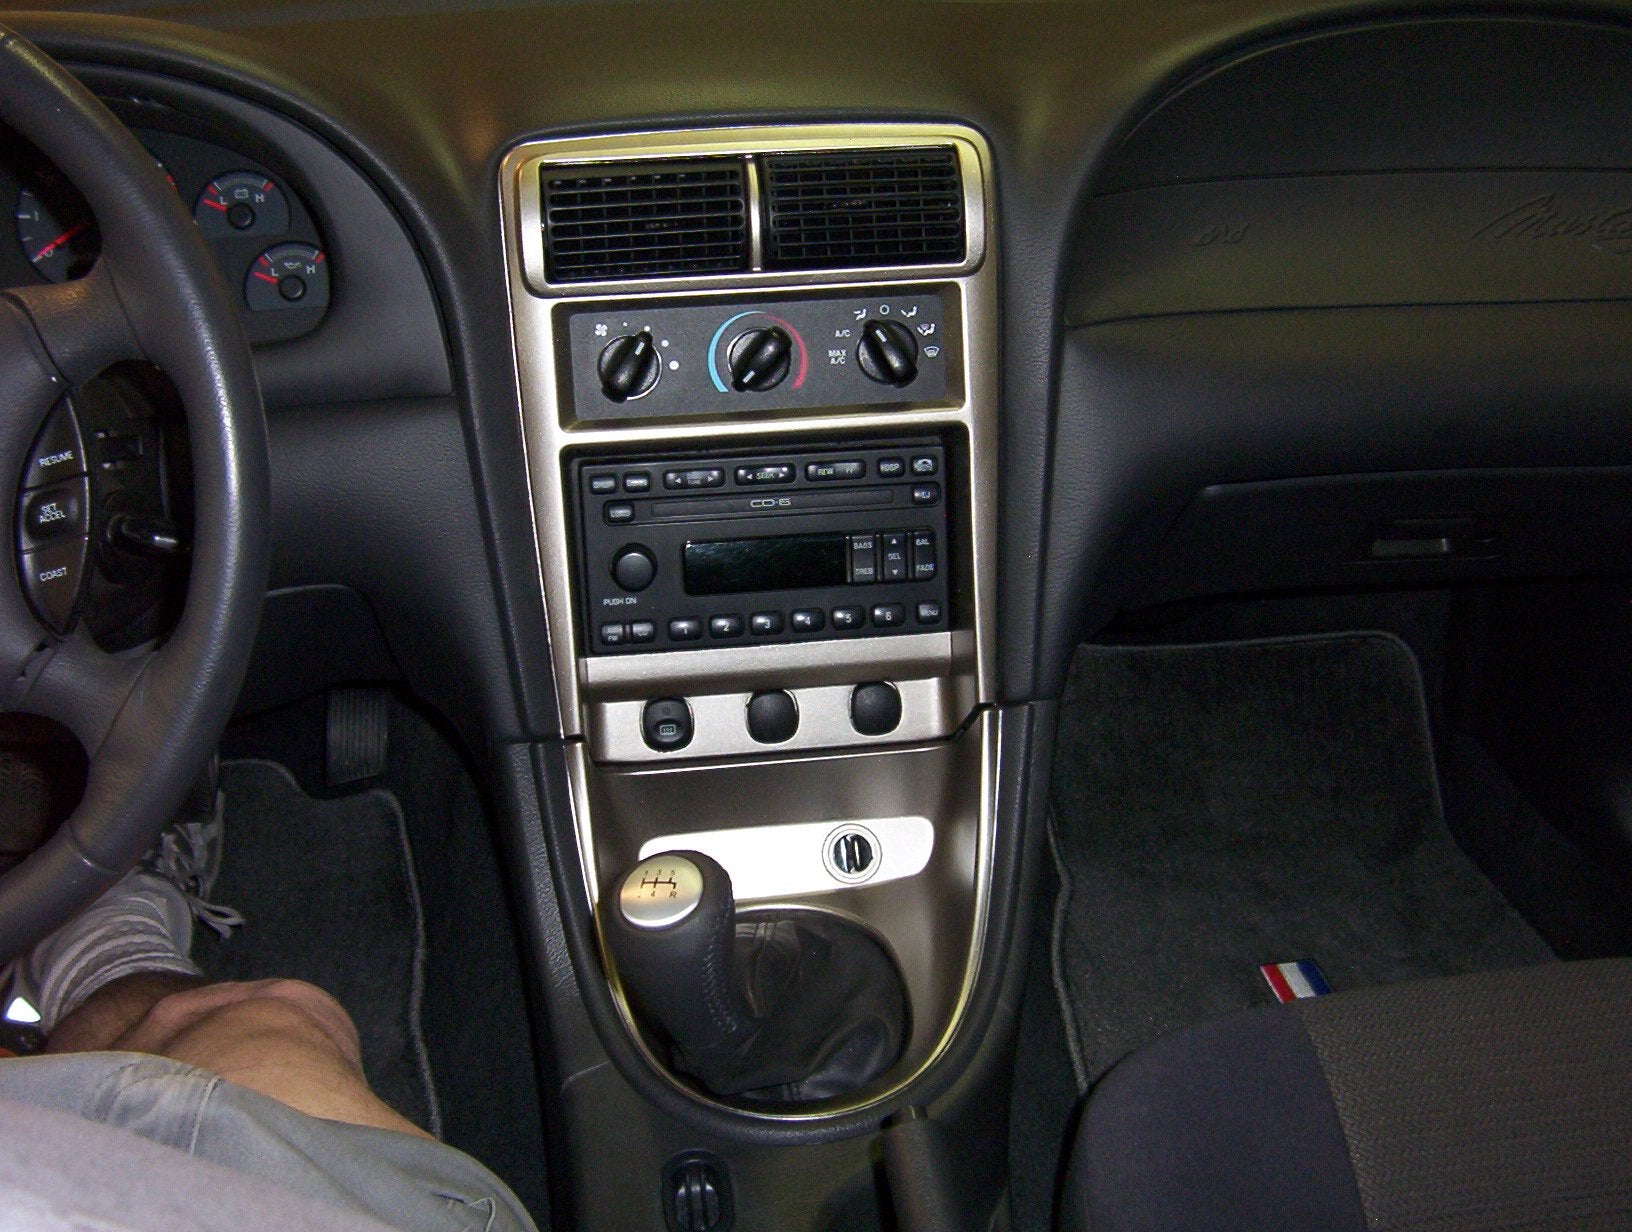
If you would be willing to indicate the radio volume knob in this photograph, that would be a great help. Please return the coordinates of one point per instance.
(888, 353)
(759, 359)
(629, 366)
(634, 567)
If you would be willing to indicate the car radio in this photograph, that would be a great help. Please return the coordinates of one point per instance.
(681, 552)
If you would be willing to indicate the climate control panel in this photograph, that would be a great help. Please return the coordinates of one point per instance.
(732, 357)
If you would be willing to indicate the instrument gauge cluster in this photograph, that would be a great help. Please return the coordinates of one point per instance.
(262, 234)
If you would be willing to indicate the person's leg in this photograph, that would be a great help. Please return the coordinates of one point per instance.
(282, 1038)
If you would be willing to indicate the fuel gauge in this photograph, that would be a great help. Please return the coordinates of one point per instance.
(288, 276)
(241, 203)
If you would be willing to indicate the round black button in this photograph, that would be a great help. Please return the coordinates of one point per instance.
(666, 724)
(633, 568)
(773, 716)
(875, 708)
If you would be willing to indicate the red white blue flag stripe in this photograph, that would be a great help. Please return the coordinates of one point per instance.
(1295, 980)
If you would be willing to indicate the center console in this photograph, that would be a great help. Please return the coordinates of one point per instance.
(757, 370)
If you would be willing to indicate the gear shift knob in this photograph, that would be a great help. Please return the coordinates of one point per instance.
(670, 928)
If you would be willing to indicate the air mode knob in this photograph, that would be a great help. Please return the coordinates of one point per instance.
(759, 359)
(629, 366)
(888, 353)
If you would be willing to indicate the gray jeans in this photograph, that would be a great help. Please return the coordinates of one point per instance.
(397, 1179)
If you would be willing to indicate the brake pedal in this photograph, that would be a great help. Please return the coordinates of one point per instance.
(359, 731)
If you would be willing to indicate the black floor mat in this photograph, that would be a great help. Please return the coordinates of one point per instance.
(1219, 807)
(327, 890)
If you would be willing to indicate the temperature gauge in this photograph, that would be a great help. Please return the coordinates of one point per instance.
(288, 276)
(241, 203)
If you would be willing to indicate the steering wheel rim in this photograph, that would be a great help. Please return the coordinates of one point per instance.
(148, 720)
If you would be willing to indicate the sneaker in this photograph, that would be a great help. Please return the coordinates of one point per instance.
(143, 925)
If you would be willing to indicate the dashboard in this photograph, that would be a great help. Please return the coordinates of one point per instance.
(775, 544)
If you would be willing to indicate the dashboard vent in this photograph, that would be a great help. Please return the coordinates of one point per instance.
(879, 207)
(640, 220)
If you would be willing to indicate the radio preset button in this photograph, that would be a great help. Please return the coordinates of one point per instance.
(725, 626)
(753, 476)
(889, 615)
(637, 481)
(926, 493)
(602, 484)
(666, 724)
(614, 634)
(924, 466)
(863, 559)
(763, 624)
(634, 567)
(618, 513)
(923, 555)
(825, 471)
(642, 631)
(808, 620)
(849, 617)
(929, 613)
(893, 556)
(891, 468)
(702, 477)
(688, 629)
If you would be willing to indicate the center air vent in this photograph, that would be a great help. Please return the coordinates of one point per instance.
(865, 208)
(638, 220)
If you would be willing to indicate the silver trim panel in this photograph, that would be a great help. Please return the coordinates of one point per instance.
(774, 862)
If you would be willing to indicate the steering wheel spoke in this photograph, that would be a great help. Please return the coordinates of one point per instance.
(84, 688)
(81, 325)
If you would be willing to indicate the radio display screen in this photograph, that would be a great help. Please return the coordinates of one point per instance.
(783, 562)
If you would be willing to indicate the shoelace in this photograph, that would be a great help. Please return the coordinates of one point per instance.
(184, 857)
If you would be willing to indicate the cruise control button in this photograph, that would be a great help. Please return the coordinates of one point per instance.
(642, 631)
(51, 514)
(924, 465)
(617, 513)
(709, 477)
(889, 615)
(51, 578)
(849, 617)
(762, 624)
(600, 485)
(808, 620)
(923, 556)
(926, 493)
(849, 469)
(929, 613)
(58, 452)
(688, 629)
(755, 475)
(891, 468)
(863, 559)
(614, 634)
(725, 626)
(637, 481)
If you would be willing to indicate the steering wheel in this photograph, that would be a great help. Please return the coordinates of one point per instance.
(148, 719)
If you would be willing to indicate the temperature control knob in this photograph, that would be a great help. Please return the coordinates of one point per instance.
(888, 353)
(629, 366)
(759, 359)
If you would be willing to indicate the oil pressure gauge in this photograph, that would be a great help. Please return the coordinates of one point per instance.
(288, 276)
